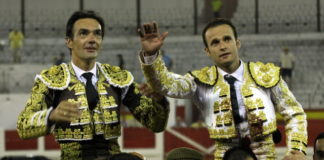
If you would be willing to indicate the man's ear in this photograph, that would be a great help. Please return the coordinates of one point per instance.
(238, 43)
(207, 51)
(68, 42)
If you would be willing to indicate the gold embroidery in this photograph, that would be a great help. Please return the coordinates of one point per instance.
(136, 90)
(68, 133)
(253, 105)
(57, 77)
(246, 91)
(30, 123)
(298, 145)
(70, 150)
(291, 102)
(112, 131)
(206, 75)
(299, 137)
(99, 128)
(116, 76)
(221, 133)
(85, 117)
(78, 88)
(110, 116)
(228, 118)
(87, 130)
(97, 117)
(265, 75)
(224, 105)
(254, 118)
(101, 88)
(77, 134)
(107, 102)
(217, 107)
(59, 134)
(114, 116)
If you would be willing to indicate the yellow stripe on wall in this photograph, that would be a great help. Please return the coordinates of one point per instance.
(316, 115)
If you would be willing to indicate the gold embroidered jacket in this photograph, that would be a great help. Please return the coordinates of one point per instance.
(263, 93)
(115, 87)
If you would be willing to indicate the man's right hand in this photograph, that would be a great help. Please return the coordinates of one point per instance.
(65, 112)
(151, 39)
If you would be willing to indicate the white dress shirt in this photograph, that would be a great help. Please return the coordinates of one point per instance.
(239, 74)
(78, 72)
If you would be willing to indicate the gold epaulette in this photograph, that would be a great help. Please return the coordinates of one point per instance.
(265, 75)
(116, 76)
(206, 75)
(56, 77)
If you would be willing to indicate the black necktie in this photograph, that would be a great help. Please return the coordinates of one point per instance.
(91, 92)
(235, 109)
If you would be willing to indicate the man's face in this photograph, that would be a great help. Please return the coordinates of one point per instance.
(319, 151)
(86, 41)
(222, 46)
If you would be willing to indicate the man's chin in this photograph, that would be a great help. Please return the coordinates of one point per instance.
(225, 63)
(90, 58)
(92, 55)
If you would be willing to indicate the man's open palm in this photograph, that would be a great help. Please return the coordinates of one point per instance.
(151, 39)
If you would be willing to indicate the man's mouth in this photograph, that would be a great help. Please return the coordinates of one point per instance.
(224, 54)
(91, 49)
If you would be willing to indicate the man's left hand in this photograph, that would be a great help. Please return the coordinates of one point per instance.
(147, 90)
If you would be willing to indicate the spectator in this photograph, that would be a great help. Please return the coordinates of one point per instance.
(319, 147)
(184, 153)
(217, 5)
(16, 39)
(287, 62)
(126, 156)
(239, 153)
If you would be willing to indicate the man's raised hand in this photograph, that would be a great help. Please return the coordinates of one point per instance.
(151, 39)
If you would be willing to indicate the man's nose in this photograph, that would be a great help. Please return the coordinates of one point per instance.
(92, 38)
(222, 45)
(92, 41)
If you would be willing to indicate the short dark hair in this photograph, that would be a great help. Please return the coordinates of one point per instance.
(184, 153)
(239, 153)
(320, 136)
(217, 22)
(124, 156)
(81, 15)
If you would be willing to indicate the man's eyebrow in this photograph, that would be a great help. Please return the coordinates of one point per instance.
(83, 29)
(215, 40)
(97, 30)
(227, 36)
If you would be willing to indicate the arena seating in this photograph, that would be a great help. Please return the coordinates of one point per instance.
(187, 53)
(277, 16)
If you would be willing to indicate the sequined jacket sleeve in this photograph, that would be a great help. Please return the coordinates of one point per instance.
(294, 116)
(152, 114)
(32, 121)
(168, 83)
